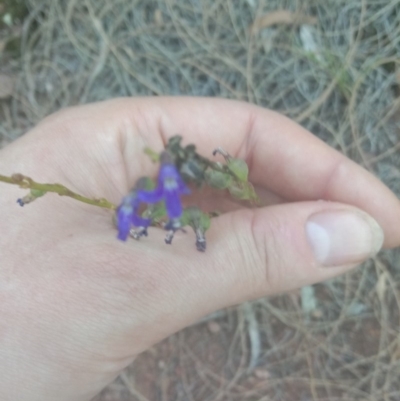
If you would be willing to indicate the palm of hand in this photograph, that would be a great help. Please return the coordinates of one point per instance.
(91, 303)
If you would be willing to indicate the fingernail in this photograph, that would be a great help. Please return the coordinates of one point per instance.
(343, 237)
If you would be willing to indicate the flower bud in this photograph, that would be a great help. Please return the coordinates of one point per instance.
(200, 222)
(32, 195)
(243, 191)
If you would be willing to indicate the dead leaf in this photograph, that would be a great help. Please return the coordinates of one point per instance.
(6, 85)
(281, 17)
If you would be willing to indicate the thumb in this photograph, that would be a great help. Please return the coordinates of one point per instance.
(250, 253)
(279, 248)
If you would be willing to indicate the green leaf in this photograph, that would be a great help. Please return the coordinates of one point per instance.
(154, 156)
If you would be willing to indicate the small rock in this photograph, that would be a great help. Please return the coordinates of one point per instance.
(262, 374)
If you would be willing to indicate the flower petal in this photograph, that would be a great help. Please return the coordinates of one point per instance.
(173, 204)
(124, 216)
(153, 196)
(139, 221)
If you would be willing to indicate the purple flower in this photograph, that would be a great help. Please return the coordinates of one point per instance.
(127, 216)
(169, 188)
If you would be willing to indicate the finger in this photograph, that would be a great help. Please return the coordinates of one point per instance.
(250, 254)
(283, 247)
(279, 248)
(212, 200)
(283, 157)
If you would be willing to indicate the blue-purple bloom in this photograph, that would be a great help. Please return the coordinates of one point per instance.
(127, 215)
(170, 187)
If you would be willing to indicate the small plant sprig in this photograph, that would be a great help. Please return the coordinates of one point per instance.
(158, 204)
(37, 190)
(231, 176)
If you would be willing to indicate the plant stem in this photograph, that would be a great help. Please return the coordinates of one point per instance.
(25, 182)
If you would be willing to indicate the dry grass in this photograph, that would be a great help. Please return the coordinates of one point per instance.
(338, 77)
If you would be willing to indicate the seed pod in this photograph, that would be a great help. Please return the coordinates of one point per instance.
(243, 191)
(239, 168)
(218, 179)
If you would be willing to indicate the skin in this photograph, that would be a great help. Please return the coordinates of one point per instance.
(77, 305)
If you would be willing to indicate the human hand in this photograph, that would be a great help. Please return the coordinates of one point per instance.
(77, 305)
